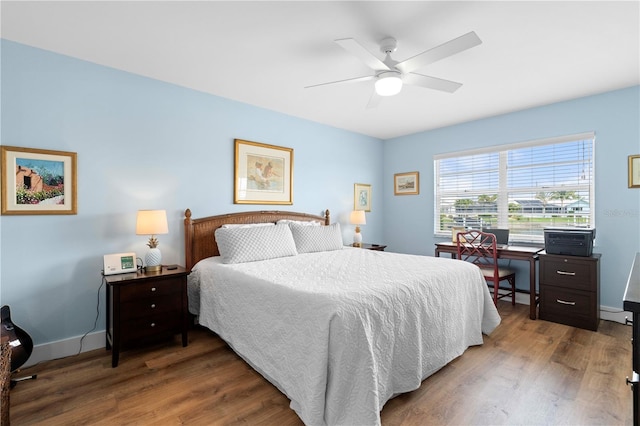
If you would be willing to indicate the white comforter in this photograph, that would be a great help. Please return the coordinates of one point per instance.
(341, 332)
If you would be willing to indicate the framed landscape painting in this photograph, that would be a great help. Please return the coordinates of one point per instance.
(38, 181)
(406, 183)
(263, 173)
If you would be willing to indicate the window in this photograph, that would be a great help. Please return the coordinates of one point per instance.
(525, 187)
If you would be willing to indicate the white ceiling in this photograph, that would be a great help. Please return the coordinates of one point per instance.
(264, 53)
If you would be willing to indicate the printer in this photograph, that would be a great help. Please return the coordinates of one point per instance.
(569, 241)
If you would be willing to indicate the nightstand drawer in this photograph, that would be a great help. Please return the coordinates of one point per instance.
(150, 306)
(570, 307)
(568, 273)
(146, 328)
(150, 289)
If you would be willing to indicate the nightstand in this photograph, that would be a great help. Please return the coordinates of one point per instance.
(145, 307)
(368, 246)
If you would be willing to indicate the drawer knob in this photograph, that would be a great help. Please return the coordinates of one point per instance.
(566, 273)
(564, 302)
(153, 305)
(153, 289)
(153, 324)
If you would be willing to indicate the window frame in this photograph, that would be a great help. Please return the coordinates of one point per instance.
(503, 190)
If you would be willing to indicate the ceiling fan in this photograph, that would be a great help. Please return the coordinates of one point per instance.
(390, 75)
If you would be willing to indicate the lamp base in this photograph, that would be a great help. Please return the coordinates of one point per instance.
(153, 260)
(357, 238)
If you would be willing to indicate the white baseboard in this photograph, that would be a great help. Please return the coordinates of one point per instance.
(614, 314)
(65, 348)
(521, 298)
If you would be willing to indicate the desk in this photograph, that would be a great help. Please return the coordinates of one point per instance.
(529, 254)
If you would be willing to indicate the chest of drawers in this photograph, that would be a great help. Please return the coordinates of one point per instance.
(145, 307)
(570, 290)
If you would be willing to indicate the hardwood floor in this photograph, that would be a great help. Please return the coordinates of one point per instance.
(527, 372)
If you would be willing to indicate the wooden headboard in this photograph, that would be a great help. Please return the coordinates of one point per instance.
(199, 239)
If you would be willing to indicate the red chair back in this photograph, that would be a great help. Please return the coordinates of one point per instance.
(479, 248)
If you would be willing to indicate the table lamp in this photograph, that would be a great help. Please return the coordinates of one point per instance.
(357, 218)
(152, 222)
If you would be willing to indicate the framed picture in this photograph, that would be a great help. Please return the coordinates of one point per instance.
(263, 174)
(406, 183)
(38, 181)
(634, 171)
(362, 197)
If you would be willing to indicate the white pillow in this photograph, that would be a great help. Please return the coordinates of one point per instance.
(311, 239)
(299, 222)
(246, 225)
(240, 245)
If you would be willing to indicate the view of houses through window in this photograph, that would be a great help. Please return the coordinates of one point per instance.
(525, 187)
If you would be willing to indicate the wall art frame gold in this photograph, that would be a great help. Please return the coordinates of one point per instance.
(263, 173)
(634, 171)
(406, 183)
(38, 181)
(362, 197)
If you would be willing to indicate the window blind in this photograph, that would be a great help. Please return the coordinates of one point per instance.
(525, 187)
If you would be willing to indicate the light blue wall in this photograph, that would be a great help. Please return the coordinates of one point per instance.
(615, 118)
(144, 144)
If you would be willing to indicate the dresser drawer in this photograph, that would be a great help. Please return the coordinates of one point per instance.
(148, 289)
(571, 307)
(151, 306)
(568, 272)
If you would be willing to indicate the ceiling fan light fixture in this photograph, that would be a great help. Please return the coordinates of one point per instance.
(388, 83)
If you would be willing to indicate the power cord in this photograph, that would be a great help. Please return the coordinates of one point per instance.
(95, 322)
(139, 266)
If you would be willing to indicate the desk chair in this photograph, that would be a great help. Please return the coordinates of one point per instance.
(480, 249)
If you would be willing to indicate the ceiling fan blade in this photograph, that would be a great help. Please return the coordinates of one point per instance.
(431, 82)
(356, 49)
(374, 100)
(449, 48)
(349, 80)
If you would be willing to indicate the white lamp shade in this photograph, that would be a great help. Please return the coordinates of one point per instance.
(152, 222)
(358, 218)
(388, 84)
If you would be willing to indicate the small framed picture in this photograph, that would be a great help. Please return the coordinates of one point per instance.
(362, 197)
(454, 233)
(634, 171)
(263, 173)
(38, 181)
(406, 183)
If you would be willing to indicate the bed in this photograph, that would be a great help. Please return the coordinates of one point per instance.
(339, 330)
